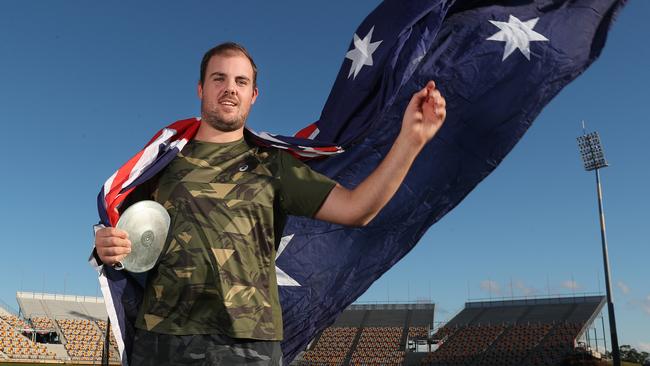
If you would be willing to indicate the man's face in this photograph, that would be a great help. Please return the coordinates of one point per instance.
(227, 92)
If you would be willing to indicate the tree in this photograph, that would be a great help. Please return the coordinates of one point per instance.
(629, 354)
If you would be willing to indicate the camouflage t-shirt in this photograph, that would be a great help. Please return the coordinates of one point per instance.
(228, 205)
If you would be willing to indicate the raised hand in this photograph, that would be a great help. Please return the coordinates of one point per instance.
(424, 115)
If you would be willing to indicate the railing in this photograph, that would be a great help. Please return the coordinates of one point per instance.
(391, 305)
(59, 297)
(535, 300)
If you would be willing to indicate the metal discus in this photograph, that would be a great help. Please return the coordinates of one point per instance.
(147, 223)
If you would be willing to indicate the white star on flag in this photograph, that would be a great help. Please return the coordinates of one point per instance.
(283, 278)
(362, 53)
(517, 35)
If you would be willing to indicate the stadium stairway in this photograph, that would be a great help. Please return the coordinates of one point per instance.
(482, 351)
(57, 328)
(59, 331)
(503, 334)
(537, 349)
(477, 360)
(58, 350)
(405, 331)
(99, 330)
(355, 342)
(314, 341)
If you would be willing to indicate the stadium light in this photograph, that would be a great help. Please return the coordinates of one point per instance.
(593, 158)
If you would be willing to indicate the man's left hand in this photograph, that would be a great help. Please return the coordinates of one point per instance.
(423, 118)
(424, 115)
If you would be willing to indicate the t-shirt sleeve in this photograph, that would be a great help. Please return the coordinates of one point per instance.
(302, 190)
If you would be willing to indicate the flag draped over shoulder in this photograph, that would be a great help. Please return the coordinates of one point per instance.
(123, 291)
(498, 63)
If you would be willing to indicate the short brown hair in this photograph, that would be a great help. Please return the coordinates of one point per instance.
(223, 49)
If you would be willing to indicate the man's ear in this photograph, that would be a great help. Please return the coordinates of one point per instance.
(256, 92)
(199, 90)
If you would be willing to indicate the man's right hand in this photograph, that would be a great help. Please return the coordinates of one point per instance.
(112, 245)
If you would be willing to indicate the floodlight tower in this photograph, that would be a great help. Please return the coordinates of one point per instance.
(593, 158)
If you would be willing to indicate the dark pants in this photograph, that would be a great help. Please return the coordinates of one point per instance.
(202, 349)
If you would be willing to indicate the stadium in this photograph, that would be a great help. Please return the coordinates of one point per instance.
(54, 329)
(534, 331)
(112, 74)
(68, 329)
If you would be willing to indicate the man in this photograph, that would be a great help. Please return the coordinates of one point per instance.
(212, 298)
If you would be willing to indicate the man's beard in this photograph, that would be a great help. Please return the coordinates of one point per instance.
(223, 124)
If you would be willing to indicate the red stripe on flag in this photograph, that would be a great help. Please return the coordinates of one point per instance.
(111, 210)
(122, 176)
(183, 129)
(307, 131)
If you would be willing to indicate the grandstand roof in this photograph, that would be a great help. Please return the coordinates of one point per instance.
(57, 306)
(580, 309)
(536, 301)
(386, 315)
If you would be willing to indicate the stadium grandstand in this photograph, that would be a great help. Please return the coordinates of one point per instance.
(372, 334)
(542, 331)
(53, 328)
(514, 332)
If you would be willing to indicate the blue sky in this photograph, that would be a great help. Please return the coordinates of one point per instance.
(84, 85)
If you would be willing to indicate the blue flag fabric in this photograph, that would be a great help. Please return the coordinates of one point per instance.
(498, 63)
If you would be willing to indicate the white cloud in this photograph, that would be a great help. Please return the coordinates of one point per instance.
(525, 290)
(644, 346)
(491, 287)
(570, 285)
(625, 289)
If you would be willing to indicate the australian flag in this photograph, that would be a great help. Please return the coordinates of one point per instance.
(497, 63)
